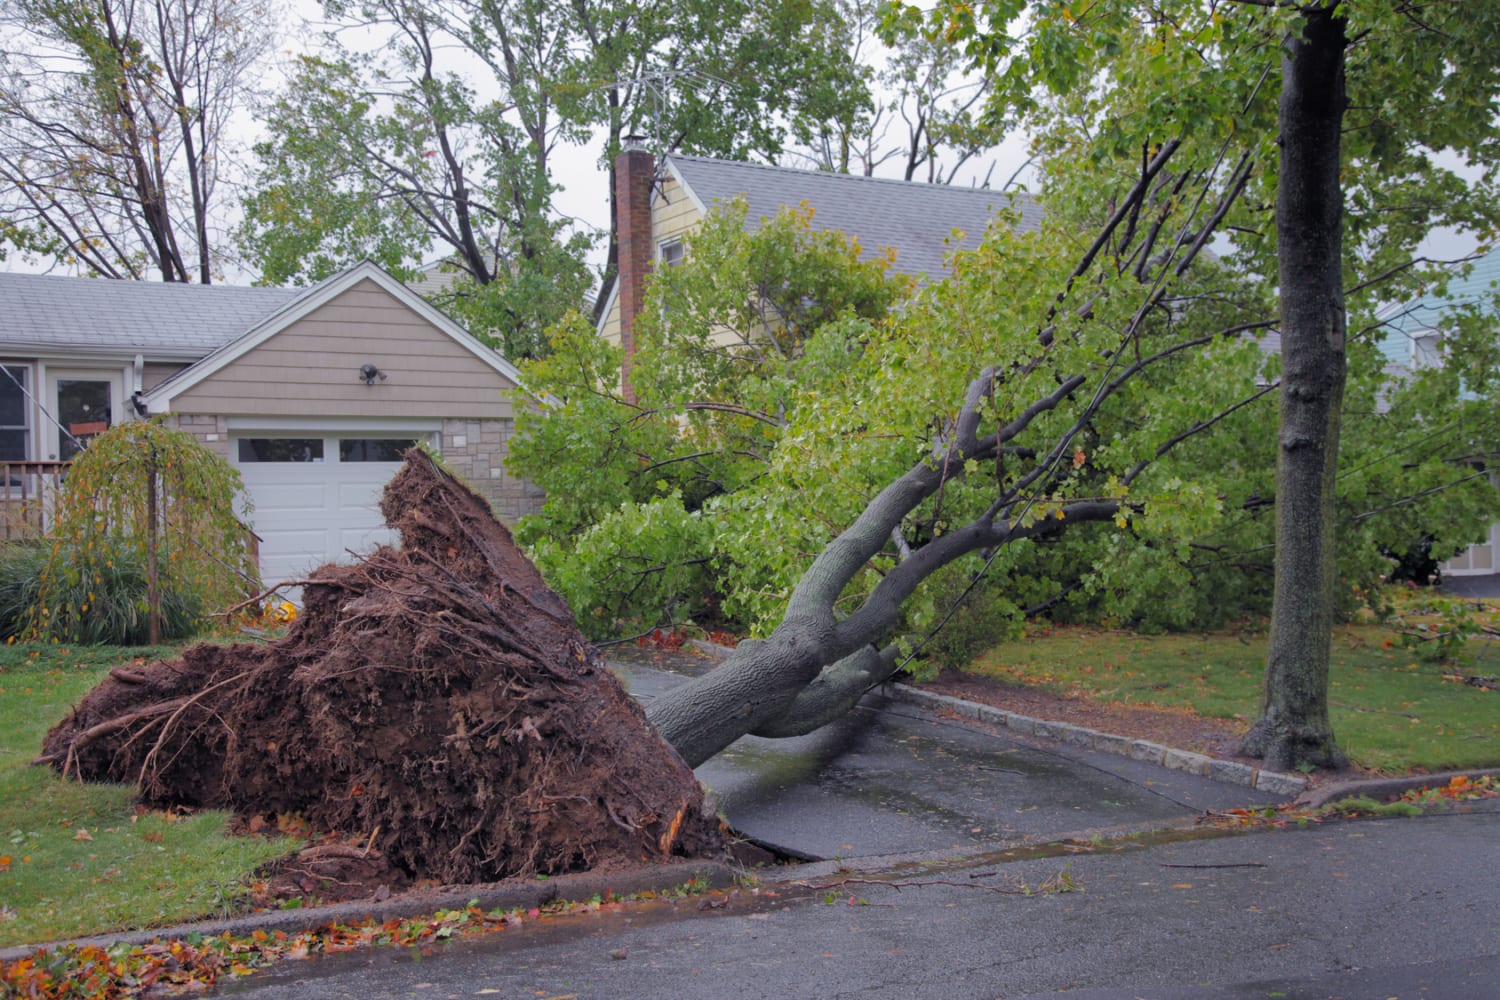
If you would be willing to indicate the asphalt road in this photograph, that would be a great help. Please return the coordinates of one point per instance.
(1376, 909)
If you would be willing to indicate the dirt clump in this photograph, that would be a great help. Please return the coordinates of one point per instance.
(436, 699)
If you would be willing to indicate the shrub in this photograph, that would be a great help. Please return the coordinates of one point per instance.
(91, 586)
(20, 568)
(102, 600)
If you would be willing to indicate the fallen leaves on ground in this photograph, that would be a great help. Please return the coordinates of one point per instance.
(90, 972)
(1460, 788)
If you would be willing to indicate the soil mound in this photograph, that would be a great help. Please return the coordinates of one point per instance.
(436, 697)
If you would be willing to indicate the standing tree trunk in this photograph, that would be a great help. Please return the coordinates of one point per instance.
(1293, 728)
(153, 553)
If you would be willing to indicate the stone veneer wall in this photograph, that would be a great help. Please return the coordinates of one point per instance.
(212, 432)
(474, 449)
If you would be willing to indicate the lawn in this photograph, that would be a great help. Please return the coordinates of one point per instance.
(80, 858)
(1393, 709)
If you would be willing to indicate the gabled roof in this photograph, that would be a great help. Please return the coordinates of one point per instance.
(167, 321)
(916, 220)
(306, 302)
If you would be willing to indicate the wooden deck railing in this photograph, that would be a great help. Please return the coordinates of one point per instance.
(27, 490)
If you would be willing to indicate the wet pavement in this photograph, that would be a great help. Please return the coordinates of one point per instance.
(1403, 909)
(893, 778)
(1378, 910)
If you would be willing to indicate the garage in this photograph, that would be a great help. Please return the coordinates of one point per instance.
(315, 402)
(316, 495)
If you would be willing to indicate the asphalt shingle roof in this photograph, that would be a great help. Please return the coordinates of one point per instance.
(916, 220)
(162, 319)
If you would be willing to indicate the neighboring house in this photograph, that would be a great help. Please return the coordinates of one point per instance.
(655, 210)
(1414, 340)
(311, 393)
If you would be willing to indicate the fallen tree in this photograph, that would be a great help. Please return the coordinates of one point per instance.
(440, 698)
(1016, 431)
(435, 699)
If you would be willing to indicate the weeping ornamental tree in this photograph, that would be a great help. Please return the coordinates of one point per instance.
(145, 541)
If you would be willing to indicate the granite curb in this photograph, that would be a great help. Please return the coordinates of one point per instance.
(489, 896)
(1226, 771)
(1384, 788)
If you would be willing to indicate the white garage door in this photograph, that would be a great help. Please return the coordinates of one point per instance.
(317, 498)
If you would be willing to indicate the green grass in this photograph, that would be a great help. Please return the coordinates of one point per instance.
(126, 869)
(1391, 710)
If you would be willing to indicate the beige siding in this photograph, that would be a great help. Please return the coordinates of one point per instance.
(311, 368)
(673, 215)
(154, 374)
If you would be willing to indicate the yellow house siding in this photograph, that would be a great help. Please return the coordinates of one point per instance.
(673, 215)
(311, 368)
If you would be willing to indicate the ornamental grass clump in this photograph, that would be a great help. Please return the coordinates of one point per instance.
(146, 536)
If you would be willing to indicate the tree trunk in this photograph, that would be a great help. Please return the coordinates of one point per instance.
(153, 553)
(1293, 729)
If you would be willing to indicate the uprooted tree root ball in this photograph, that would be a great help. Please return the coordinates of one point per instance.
(436, 696)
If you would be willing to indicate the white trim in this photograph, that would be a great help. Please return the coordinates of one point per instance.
(31, 399)
(80, 354)
(335, 425)
(160, 398)
(671, 241)
(668, 164)
(609, 305)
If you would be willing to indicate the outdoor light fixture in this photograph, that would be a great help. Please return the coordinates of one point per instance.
(370, 373)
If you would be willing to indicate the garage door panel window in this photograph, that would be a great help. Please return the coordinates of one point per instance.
(281, 450)
(374, 449)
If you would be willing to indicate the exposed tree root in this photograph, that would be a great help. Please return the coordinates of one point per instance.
(438, 694)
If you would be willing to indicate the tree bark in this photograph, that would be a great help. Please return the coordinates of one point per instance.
(1293, 729)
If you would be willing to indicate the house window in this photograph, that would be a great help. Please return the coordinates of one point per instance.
(14, 428)
(1426, 351)
(669, 253)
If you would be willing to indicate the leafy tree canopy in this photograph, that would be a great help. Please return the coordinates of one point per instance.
(784, 378)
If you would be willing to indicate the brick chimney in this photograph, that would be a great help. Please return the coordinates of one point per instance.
(635, 172)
